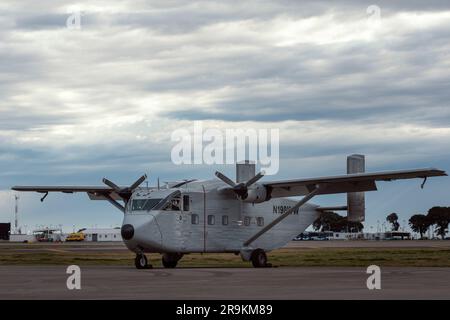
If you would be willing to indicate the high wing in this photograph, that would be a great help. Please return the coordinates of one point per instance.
(94, 192)
(111, 192)
(357, 182)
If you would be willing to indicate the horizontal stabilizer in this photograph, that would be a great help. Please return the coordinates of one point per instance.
(338, 208)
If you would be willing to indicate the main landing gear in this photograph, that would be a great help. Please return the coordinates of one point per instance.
(141, 262)
(170, 260)
(259, 259)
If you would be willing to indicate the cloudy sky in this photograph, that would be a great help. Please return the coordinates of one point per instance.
(78, 104)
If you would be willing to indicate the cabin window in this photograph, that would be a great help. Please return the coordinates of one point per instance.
(194, 219)
(225, 220)
(260, 221)
(185, 203)
(247, 221)
(211, 219)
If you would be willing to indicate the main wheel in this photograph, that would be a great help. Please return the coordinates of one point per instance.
(141, 261)
(170, 261)
(259, 258)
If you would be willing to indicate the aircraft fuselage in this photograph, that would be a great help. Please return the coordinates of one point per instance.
(205, 219)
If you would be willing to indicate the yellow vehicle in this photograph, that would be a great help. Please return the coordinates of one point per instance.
(76, 236)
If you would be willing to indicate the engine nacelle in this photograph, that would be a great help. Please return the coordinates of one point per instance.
(256, 193)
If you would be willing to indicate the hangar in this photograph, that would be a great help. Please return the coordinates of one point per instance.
(5, 229)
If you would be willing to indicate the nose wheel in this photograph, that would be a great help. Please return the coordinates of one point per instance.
(141, 262)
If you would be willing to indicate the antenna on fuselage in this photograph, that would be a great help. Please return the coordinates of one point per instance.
(158, 183)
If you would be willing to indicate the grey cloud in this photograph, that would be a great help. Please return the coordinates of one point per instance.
(175, 17)
(138, 61)
(410, 94)
(43, 21)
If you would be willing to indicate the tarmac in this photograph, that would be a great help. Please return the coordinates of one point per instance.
(124, 282)
(120, 246)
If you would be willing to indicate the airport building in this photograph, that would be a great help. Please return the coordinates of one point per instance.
(22, 237)
(388, 235)
(56, 235)
(329, 235)
(101, 234)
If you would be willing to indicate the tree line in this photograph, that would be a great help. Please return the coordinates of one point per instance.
(420, 223)
(331, 221)
(436, 216)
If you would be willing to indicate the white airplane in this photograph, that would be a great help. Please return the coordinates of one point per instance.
(245, 217)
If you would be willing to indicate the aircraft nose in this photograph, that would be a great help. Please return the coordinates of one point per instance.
(127, 231)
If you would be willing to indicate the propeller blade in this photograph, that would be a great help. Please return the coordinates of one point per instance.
(241, 190)
(111, 184)
(138, 182)
(225, 179)
(255, 179)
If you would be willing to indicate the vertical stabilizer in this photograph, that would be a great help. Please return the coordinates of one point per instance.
(245, 170)
(356, 200)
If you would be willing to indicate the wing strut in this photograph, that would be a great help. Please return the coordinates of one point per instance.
(304, 200)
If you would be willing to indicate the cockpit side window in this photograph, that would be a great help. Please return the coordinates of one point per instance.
(171, 203)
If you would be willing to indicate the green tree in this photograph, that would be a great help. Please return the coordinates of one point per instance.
(393, 219)
(419, 223)
(327, 221)
(439, 216)
(354, 226)
(331, 221)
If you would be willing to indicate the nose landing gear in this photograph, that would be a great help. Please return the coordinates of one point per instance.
(141, 262)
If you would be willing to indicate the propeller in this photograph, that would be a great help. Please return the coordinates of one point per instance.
(241, 189)
(125, 193)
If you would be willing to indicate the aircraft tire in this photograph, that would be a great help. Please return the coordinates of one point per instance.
(141, 261)
(259, 258)
(169, 263)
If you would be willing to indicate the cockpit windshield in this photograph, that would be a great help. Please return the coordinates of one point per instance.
(144, 204)
(171, 202)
